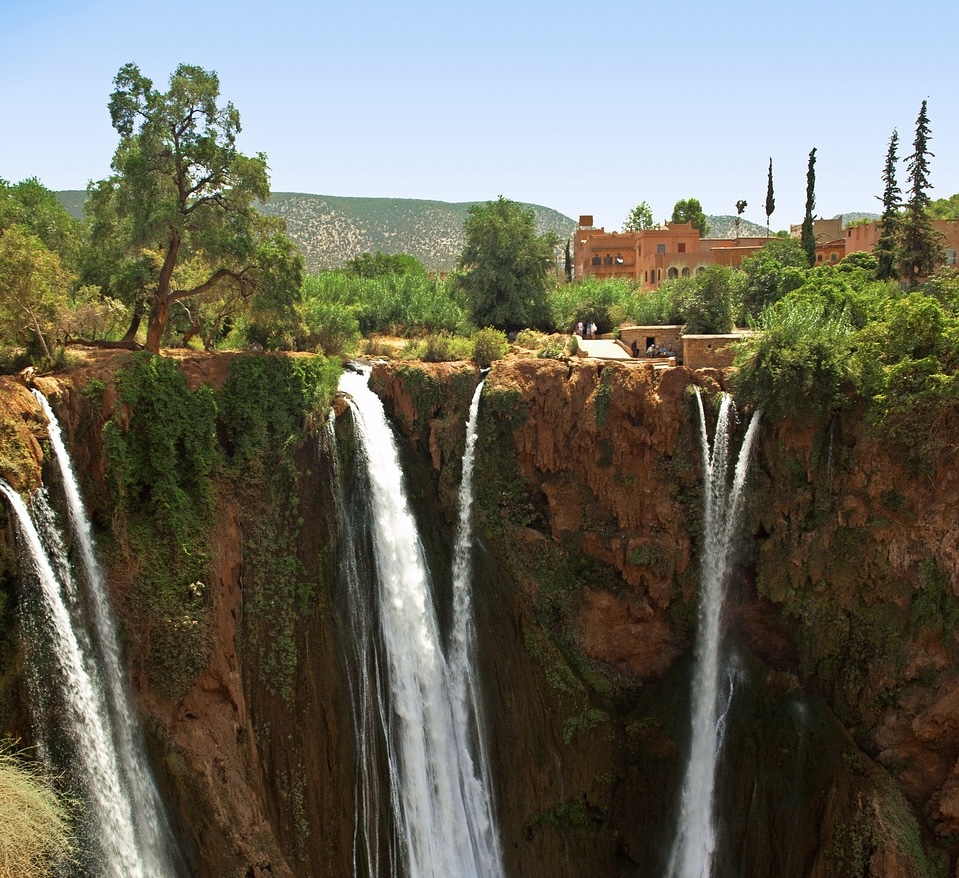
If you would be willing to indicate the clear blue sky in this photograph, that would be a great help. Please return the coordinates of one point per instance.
(587, 108)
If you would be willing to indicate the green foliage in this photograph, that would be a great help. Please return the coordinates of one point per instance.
(808, 236)
(778, 268)
(161, 448)
(397, 304)
(439, 348)
(266, 406)
(640, 217)
(267, 402)
(945, 208)
(689, 210)
(799, 363)
(383, 264)
(705, 301)
(177, 216)
(935, 606)
(607, 302)
(505, 266)
(38, 211)
(890, 223)
(920, 250)
(489, 345)
(332, 328)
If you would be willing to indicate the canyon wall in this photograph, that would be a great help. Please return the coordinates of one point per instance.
(841, 755)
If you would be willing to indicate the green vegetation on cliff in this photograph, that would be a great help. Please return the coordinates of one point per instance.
(167, 447)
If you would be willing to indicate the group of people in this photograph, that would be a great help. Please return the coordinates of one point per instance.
(586, 330)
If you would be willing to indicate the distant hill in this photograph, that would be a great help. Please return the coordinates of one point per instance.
(853, 217)
(725, 227)
(330, 230)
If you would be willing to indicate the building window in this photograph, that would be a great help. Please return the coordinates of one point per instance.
(819, 257)
(681, 247)
(686, 271)
(607, 260)
(660, 248)
(951, 255)
(596, 260)
(619, 258)
(833, 257)
(672, 273)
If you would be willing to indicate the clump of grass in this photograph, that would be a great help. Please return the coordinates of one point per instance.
(35, 831)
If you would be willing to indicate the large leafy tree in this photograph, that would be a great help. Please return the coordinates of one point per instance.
(33, 291)
(177, 216)
(640, 217)
(37, 210)
(920, 251)
(887, 245)
(807, 236)
(689, 210)
(779, 267)
(505, 266)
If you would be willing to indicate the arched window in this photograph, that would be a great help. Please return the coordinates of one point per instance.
(672, 273)
(685, 271)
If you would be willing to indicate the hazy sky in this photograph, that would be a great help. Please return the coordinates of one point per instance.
(588, 108)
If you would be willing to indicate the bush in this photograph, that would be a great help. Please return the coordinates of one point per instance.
(439, 348)
(800, 362)
(35, 834)
(489, 345)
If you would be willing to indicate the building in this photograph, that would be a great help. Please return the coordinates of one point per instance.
(863, 237)
(653, 255)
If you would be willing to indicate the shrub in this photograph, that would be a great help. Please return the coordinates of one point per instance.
(489, 345)
(35, 833)
(800, 363)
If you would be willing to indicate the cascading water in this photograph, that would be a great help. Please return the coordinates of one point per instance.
(695, 843)
(425, 703)
(85, 714)
(154, 840)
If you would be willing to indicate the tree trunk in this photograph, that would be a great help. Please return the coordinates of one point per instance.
(135, 320)
(157, 323)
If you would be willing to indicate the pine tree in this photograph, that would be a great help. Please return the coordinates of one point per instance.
(770, 197)
(920, 251)
(887, 246)
(808, 238)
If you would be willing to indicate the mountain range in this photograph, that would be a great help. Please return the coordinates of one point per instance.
(330, 230)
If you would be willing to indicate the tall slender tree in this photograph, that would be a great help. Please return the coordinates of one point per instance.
(808, 237)
(770, 197)
(887, 245)
(921, 249)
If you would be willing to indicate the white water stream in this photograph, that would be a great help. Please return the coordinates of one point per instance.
(695, 842)
(427, 701)
(85, 715)
(152, 833)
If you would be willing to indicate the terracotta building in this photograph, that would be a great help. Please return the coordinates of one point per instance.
(864, 237)
(653, 255)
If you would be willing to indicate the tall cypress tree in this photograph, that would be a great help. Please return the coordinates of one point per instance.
(921, 251)
(887, 245)
(770, 198)
(808, 238)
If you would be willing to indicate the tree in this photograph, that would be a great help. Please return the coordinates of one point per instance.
(182, 193)
(33, 291)
(382, 264)
(38, 210)
(808, 237)
(887, 245)
(770, 197)
(505, 266)
(741, 205)
(945, 208)
(689, 210)
(779, 267)
(640, 217)
(706, 300)
(920, 251)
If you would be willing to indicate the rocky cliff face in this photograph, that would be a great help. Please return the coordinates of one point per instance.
(841, 755)
(844, 608)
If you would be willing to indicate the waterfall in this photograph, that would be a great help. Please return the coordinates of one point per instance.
(85, 714)
(695, 843)
(420, 707)
(149, 818)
